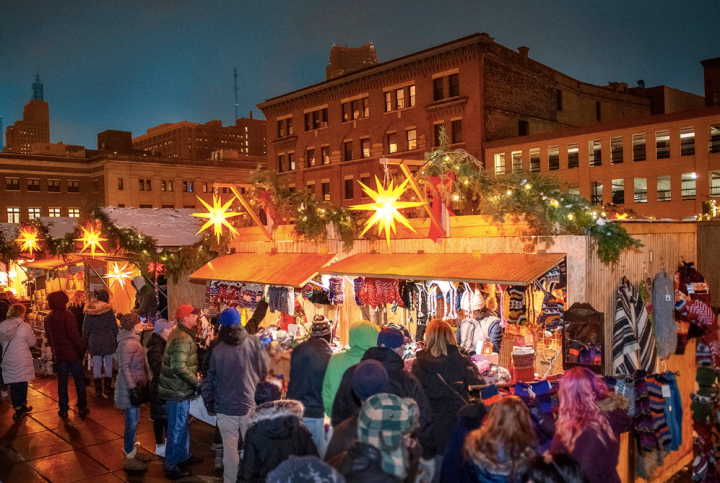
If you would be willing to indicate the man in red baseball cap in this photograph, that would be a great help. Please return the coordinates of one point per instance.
(178, 385)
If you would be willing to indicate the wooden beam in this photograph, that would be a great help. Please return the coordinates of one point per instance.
(426, 205)
(396, 161)
(250, 211)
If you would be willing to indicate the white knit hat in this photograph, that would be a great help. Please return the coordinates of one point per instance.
(474, 301)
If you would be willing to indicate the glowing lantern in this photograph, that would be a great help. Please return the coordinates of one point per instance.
(217, 216)
(118, 274)
(91, 238)
(29, 239)
(386, 207)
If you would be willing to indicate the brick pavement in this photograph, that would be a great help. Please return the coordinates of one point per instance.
(44, 447)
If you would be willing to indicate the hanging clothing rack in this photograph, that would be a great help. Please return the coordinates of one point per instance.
(505, 385)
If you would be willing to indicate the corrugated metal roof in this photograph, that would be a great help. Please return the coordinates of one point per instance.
(289, 269)
(511, 268)
(55, 262)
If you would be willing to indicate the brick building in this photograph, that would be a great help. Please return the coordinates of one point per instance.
(330, 135)
(34, 127)
(344, 60)
(191, 140)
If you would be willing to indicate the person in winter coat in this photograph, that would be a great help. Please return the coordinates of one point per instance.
(145, 298)
(484, 326)
(362, 336)
(162, 307)
(554, 468)
(131, 375)
(402, 383)
(4, 305)
(455, 468)
(498, 452)
(445, 374)
(178, 385)
(308, 365)
(77, 308)
(68, 349)
(158, 407)
(368, 379)
(275, 432)
(384, 451)
(589, 424)
(100, 332)
(237, 363)
(304, 469)
(16, 339)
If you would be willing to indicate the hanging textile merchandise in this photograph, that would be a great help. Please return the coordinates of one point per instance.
(633, 338)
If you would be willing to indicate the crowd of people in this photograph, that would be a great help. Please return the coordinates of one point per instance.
(358, 415)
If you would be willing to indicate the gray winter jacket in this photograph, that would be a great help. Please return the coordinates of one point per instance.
(485, 325)
(16, 338)
(131, 367)
(100, 328)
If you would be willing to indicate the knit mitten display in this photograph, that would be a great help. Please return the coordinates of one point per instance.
(642, 421)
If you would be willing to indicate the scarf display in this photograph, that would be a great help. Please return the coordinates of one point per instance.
(633, 339)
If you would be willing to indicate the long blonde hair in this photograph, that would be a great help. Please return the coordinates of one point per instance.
(16, 311)
(78, 299)
(438, 336)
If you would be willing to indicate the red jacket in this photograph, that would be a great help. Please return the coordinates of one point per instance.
(61, 330)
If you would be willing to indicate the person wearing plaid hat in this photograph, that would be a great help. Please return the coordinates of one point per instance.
(384, 446)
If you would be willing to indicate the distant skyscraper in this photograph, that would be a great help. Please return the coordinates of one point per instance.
(34, 126)
(37, 89)
(344, 60)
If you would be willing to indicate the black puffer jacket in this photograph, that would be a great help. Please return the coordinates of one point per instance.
(458, 371)
(402, 384)
(100, 329)
(274, 434)
(363, 464)
(455, 468)
(61, 330)
(156, 349)
(308, 364)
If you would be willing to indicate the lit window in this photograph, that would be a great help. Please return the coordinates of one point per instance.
(400, 99)
(169, 185)
(325, 151)
(687, 141)
(516, 161)
(54, 186)
(688, 186)
(554, 157)
(500, 163)
(412, 96)
(33, 213)
(13, 215)
(411, 139)
(639, 147)
(54, 212)
(597, 196)
(388, 101)
(310, 157)
(573, 156)
(595, 153)
(365, 148)
(291, 161)
(326, 191)
(74, 212)
(640, 193)
(715, 184)
(535, 160)
(662, 144)
(392, 143)
(618, 191)
(663, 188)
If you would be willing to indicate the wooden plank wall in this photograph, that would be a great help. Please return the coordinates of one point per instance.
(184, 292)
(708, 261)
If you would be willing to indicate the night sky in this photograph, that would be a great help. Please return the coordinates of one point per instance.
(133, 64)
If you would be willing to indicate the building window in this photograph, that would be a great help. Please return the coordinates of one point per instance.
(12, 184)
(365, 107)
(535, 160)
(688, 186)
(33, 213)
(347, 151)
(120, 184)
(148, 185)
(204, 187)
(618, 191)
(454, 81)
(188, 187)
(616, 150)
(438, 89)
(289, 124)
(662, 144)
(437, 132)
(281, 163)
(516, 161)
(13, 215)
(310, 157)
(54, 212)
(638, 147)
(316, 119)
(687, 141)
(54, 186)
(73, 186)
(554, 157)
(142, 184)
(285, 127)
(345, 108)
(457, 135)
(714, 143)
(400, 99)
(326, 191)
(411, 139)
(169, 185)
(715, 184)
(596, 195)
(281, 128)
(291, 161)
(558, 99)
(365, 148)
(311, 189)
(388, 101)
(325, 152)
(392, 143)
(573, 156)
(74, 212)
(349, 185)
(96, 185)
(500, 164)
(412, 96)
(595, 153)
(640, 193)
(663, 188)
(523, 128)
(163, 185)
(33, 185)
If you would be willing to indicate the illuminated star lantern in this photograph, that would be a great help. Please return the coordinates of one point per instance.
(29, 240)
(118, 274)
(386, 207)
(91, 238)
(217, 216)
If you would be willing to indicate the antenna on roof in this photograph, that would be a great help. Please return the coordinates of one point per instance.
(236, 100)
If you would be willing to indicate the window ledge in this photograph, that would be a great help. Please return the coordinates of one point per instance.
(399, 110)
(353, 120)
(286, 139)
(315, 168)
(444, 103)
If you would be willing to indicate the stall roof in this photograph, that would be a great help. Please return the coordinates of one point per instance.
(289, 269)
(55, 262)
(510, 268)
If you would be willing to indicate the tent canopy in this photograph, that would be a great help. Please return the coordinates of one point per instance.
(55, 262)
(289, 269)
(509, 268)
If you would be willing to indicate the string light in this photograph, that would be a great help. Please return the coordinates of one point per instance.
(91, 238)
(118, 275)
(217, 216)
(29, 239)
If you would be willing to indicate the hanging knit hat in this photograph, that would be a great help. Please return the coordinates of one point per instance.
(472, 301)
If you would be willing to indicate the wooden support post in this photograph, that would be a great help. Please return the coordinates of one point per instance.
(403, 163)
(250, 211)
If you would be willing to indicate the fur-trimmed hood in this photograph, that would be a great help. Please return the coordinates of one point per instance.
(615, 401)
(277, 420)
(96, 307)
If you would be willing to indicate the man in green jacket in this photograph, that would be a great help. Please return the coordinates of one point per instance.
(363, 335)
(178, 385)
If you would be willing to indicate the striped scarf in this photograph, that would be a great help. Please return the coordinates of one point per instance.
(634, 344)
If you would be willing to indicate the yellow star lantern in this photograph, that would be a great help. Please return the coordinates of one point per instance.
(91, 238)
(29, 239)
(118, 274)
(386, 207)
(217, 216)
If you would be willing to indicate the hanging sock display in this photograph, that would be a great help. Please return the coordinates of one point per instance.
(336, 292)
(517, 310)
